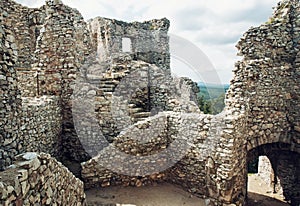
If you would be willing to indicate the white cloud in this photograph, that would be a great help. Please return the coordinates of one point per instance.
(214, 25)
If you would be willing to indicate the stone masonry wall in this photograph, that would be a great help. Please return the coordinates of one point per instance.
(10, 99)
(61, 48)
(50, 44)
(25, 24)
(27, 82)
(39, 129)
(264, 88)
(266, 172)
(285, 164)
(265, 80)
(174, 147)
(30, 124)
(259, 104)
(130, 86)
(148, 41)
(40, 126)
(206, 154)
(38, 179)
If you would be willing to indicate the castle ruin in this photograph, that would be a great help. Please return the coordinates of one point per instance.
(63, 81)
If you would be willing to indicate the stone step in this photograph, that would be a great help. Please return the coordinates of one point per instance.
(141, 115)
(106, 89)
(102, 85)
(135, 110)
(131, 106)
(109, 82)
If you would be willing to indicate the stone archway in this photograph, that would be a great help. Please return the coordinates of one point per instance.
(286, 164)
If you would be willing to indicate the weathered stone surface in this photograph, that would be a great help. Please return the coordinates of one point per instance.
(49, 55)
(33, 186)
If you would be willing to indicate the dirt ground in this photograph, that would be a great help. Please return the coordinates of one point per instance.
(163, 194)
(171, 195)
(260, 194)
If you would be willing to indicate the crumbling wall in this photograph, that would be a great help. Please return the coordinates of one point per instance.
(38, 129)
(52, 42)
(285, 164)
(148, 41)
(266, 172)
(49, 47)
(10, 104)
(39, 179)
(26, 124)
(287, 170)
(40, 126)
(60, 50)
(265, 82)
(130, 86)
(174, 147)
(25, 24)
(264, 89)
(36, 49)
(259, 109)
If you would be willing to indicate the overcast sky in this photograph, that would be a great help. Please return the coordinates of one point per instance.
(214, 26)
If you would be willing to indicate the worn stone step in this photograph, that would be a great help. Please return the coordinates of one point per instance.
(135, 110)
(106, 89)
(141, 115)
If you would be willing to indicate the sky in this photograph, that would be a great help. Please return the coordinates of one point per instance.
(213, 26)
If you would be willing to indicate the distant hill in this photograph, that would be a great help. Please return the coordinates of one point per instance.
(212, 91)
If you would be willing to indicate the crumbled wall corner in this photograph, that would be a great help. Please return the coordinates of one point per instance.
(39, 179)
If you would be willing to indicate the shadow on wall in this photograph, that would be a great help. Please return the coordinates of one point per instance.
(284, 171)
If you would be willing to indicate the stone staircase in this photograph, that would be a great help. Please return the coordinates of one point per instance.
(137, 114)
(106, 85)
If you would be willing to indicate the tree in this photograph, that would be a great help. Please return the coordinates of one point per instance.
(204, 105)
(218, 104)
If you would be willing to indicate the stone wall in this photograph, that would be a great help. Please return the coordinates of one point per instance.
(259, 104)
(45, 67)
(285, 164)
(10, 98)
(61, 48)
(265, 82)
(39, 129)
(38, 179)
(259, 111)
(27, 82)
(63, 56)
(147, 41)
(174, 147)
(25, 24)
(130, 91)
(40, 126)
(264, 88)
(266, 172)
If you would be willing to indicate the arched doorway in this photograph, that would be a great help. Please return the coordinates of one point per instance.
(279, 167)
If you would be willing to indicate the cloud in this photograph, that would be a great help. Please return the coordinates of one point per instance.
(257, 14)
(192, 19)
